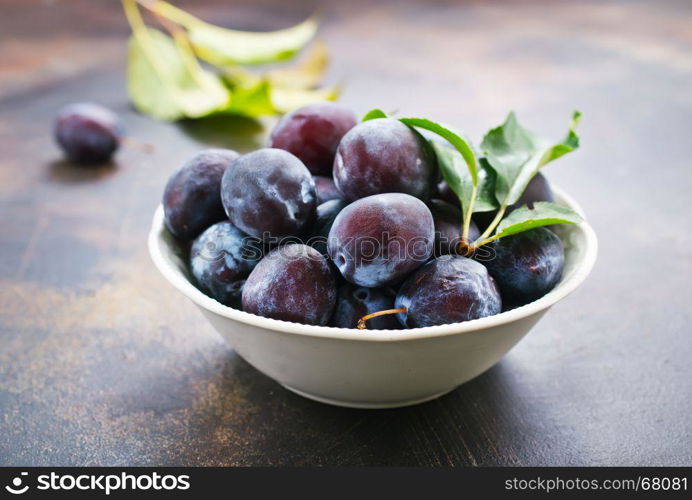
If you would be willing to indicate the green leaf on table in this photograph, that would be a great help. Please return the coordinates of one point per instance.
(165, 81)
(308, 73)
(278, 91)
(543, 213)
(253, 100)
(454, 138)
(287, 99)
(234, 76)
(374, 114)
(516, 154)
(223, 47)
(457, 176)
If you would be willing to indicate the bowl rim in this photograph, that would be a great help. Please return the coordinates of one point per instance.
(564, 288)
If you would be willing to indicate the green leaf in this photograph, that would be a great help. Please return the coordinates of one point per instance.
(308, 73)
(543, 213)
(165, 81)
(281, 99)
(568, 144)
(234, 76)
(253, 101)
(453, 138)
(456, 174)
(223, 47)
(287, 99)
(516, 154)
(486, 201)
(374, 114)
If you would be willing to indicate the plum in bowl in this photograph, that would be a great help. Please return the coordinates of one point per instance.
(375, 368)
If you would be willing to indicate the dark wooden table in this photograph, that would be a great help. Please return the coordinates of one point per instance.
(103, 363)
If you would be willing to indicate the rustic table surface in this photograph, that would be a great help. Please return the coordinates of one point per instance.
(103, 363)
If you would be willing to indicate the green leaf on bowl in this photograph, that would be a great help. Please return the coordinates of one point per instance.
(224, 47)
(486, 201)
(456, 174)
(165, 81)
(455, 139)
(543, 213)
(516, 154)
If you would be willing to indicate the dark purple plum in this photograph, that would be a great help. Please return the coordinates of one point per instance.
(527, 265)
(269, 194)
(445, 193)
(448, 222)
(326, 189)
(88, 133)
(449, 289)
(292, 283)
(384, 156)
(312, 133)
(538, 189)
(326, 213)
(378, 240)
(354, 302)
(192, 197)
(221, 259)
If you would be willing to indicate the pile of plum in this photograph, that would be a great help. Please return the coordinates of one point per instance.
(339, 221)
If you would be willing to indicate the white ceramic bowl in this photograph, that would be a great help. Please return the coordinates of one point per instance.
(375, 368)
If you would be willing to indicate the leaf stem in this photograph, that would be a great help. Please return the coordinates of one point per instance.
(134, 18)
(484, 241)
(141, 34)
(172, 13)
(468, 211)
(184, 46)
(498, 217)
(361, 321)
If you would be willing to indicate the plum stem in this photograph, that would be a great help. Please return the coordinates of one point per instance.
(466, 249)
(491, 227)
(361, 321)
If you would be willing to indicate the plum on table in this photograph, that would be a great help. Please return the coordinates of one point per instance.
(88, 133)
